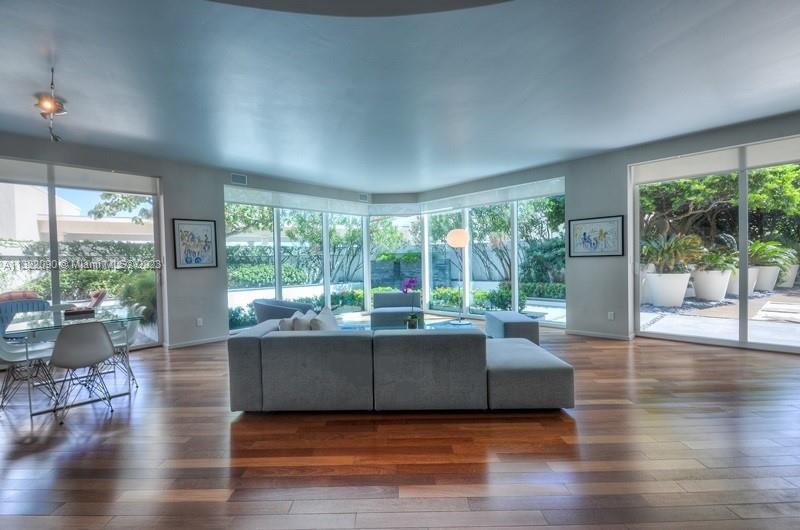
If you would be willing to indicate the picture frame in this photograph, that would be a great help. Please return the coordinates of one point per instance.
(597, 237)
(195, 243)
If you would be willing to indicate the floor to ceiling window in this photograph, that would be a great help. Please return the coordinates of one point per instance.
(250, 253)
(346, 244)
(301, 258)
(446, 274)
(395, 251)
(541, 248)
(490, 258)
(323, 259)
(716, 264)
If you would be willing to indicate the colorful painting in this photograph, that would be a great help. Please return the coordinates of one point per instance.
(600, 236)
(195, 243)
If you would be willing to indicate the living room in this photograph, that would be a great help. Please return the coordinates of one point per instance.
(457, 263)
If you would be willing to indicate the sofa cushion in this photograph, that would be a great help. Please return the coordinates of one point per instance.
(244, 365)
(522, 375)
(325, 321)
(287, 324)
(511, 324)
(303, 322)
(317, 370)
(429, 369)
(19, 295)
(396, 299)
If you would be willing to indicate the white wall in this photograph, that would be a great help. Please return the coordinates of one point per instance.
(595, 186)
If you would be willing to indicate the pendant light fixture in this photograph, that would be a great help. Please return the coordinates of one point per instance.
(50, 106)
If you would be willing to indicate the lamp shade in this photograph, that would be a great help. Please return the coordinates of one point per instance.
(458, 238)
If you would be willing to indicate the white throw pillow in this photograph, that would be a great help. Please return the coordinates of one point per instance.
(287, 324)
(303, 323)
(325, 321)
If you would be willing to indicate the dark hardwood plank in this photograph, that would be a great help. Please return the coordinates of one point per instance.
(664, 435)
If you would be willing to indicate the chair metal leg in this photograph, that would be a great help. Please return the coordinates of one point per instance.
(35, 373)
(92, 381)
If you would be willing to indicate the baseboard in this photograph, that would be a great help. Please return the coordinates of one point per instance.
(198, 342)
(595, 334)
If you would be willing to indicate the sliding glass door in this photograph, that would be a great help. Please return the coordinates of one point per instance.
(718, 253)
(688, 230)
(107, 253)
(773, 214)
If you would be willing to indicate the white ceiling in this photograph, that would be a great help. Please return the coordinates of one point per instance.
(395, 104)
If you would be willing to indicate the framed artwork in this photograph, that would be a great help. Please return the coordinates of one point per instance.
(598, 236)
(195, 243)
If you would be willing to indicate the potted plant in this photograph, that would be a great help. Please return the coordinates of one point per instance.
(670, 256)
(712, 273)
(771, 259)
(788, 279)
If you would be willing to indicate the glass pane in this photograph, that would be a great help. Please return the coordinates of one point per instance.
(774, 230)
(107, 256)
(301, 257)
(446, 264)
(250, 252)
(490, 259)
(24, 242)
(689, 248)
(346, 236)
(540, 228)
(395, 247)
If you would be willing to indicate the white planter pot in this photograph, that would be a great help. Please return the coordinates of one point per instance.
(667, 290)
(752, 278)
(710, 285)
(767, 278)
(644, 295)
(790, 278)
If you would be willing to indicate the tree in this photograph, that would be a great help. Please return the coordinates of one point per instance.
(112, 204)
(239, 218)
(440, 225)
(491, 237)
(346, 248)
(708, 206)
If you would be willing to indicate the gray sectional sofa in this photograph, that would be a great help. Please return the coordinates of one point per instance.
(426, 369)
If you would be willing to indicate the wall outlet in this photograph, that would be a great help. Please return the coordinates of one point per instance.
(199, 322)
(611, 315)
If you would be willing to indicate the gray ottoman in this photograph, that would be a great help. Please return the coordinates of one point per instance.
(522, 375)
(510, 324)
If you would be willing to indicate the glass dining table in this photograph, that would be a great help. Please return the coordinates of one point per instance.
(35, 327)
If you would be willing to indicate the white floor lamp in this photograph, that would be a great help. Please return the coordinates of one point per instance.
(459, 238)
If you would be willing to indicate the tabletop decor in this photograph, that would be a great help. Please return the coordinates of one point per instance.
(195, 243)
(597, 236)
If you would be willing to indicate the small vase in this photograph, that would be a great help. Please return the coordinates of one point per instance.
(412, 323)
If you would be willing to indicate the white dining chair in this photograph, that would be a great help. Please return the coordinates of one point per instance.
(25, 367)
(81, 350)
(123, 338)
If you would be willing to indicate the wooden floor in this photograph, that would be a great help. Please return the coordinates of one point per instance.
(664, 436)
